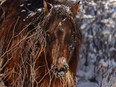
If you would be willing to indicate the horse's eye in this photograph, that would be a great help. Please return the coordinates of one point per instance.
(71, 43)
(70, 47)
(48, 37)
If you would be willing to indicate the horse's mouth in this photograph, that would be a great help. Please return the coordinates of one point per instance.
(60, 71)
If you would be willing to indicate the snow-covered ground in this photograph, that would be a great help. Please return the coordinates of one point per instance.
(97, 65)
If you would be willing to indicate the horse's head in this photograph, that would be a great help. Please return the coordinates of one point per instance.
(62, 36)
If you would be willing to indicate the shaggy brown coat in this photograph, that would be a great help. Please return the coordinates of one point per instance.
(29, 45)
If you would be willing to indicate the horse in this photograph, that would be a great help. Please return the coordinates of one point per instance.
(39, 50)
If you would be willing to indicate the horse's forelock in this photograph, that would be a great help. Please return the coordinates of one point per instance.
(56, 15)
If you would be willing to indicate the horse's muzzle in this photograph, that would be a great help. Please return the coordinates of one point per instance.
(60, 68)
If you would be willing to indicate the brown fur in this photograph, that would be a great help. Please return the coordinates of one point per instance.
(29, 48)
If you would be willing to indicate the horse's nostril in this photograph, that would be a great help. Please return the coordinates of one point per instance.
(60, 71)
(56, 69)
(63, 68)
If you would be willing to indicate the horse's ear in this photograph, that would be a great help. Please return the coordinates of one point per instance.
(47, 7)
(75, 8)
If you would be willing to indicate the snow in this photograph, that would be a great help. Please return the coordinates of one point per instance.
(40, 9)
(97, 65)
(87, 84)
(57, 6)
(31, 14)
(28, 4)
(21, 5)
(23, 10)
(103, 63)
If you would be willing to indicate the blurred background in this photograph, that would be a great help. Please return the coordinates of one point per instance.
(97, 65)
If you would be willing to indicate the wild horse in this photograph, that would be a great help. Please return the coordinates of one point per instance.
(40, 48)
